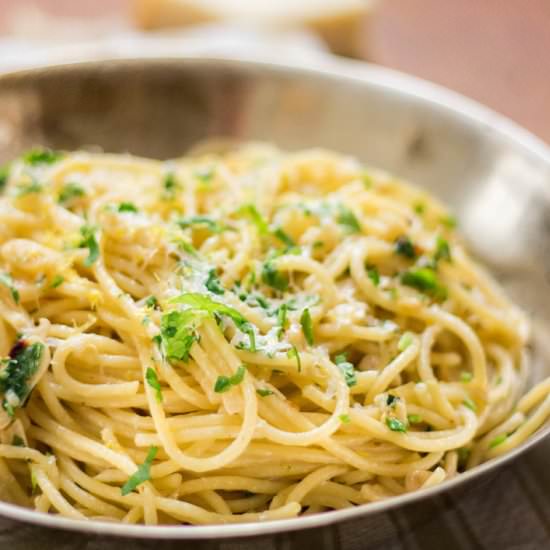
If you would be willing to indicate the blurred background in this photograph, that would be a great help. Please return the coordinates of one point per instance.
(494, 51)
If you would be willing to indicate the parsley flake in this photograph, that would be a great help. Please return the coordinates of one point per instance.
(395, 425)
(69, 192)
(153, 381)
(7, 281)
(89, 241)
(143, 473)
(225, 383)
(347, 369)
(307, 326)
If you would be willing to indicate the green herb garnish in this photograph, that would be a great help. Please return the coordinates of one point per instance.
(7, 281)
(405, 247)
(69, 192)
(153, 381)
(274, 278)
(225, 383)
(373, 275)
(449, 221)
(466, 376)
(4, 176)
(405, 341)
(442, 250)
(414, 418)
(14, 378)
(38, 156)
(208, 223)
(347, 218)
(28, 188)
(499, 439)
(17, 441)
(143, 473)
(294, 354)
(58, 280)
(347, 369)
(425, 280)
(89, 241)
(128, 207)
(307, 326)
(207, 307)
(264, 392)
(213, 284)
(170, 186)
(284, 237)
(395, 425)
(345, 418)
(251, 212)
(152, 302)
(470, 404)
(419, 208)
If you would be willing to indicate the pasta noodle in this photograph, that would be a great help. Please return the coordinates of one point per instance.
(242, 336)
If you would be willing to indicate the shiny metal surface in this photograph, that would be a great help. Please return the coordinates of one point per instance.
(494, 175)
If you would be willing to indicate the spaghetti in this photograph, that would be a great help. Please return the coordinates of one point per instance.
(243, 335)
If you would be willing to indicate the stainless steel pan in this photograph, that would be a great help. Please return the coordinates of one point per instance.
(495, 175)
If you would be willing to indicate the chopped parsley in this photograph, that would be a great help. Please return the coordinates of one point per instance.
(178, 332)
(213, 284)
(15, 377)
(69, 192)
(152, 302)
(127, 207)
(153, 381)
(466, 376)
(442, 250)
(274, 278)
(264, 392)
(38, 156)
(345, 418)
(293, 353)
(28, 189)
(449, 221)
(391, 400)
(348, 220)
(347, 369)
(7, 281)
(225, 383)
(367, 179)
(18, 441)
(89, 241)
(498, 440)
(170, 186)
(284, 237)
(203, 306)
(405, 247)
(405, 341)
(251, 212)
(143, 473)
(470, 404)
(4, 175)
(419, 208)
(282, 319)
(425, 280)
(395, 425)
(58, 280)
(463, 455)
(373, 275)
(204, 174)
(307, 326)
(414, 418)
(208, 223)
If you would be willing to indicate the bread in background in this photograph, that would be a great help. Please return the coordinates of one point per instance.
(341, 23)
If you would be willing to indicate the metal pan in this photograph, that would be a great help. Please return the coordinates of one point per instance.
(494, 174)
